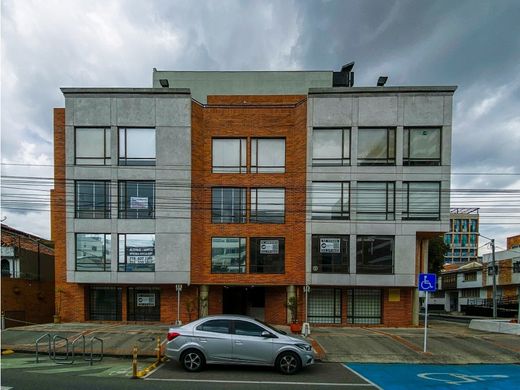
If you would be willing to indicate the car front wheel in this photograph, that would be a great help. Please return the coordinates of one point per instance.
(288, 363)
(192, 360)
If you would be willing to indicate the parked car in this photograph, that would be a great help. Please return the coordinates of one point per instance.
(234, 339)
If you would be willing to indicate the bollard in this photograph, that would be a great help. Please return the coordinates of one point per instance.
(134, 363)
(158, 349)
(3, 321)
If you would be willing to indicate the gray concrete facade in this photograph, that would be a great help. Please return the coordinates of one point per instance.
(390, 107)
(169, 112)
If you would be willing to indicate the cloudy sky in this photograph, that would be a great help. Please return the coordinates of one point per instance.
(473, 44)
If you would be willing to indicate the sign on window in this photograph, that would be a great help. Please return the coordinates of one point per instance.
(269, 247)
(145, 299)
(140, 255)
(138, 202)
(330, 245)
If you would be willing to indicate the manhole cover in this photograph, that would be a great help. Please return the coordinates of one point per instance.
(146, 339)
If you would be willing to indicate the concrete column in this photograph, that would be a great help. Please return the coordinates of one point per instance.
(203, 300)
(291, 292)
(415, 307)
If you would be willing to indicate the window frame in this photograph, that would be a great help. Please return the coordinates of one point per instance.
(253, 217)
(345, 161)
(242, 268)
(343, 214)
(406, 210)
(107, 262)
(242, 211)
(122, 209)
(372, 161)
(134, 161)
(271, 268)
(269, 169)
(107, 210)
(116, 314)
(123, 266)
(365, 266)
(107, 155)
(389, 215)
(316, 267)
(407, 160)
(242, 168)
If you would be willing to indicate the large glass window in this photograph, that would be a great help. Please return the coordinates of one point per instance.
(92, 199)
(267, 205)
(136, 146)
(104, 303)
(364, 306)
(376, 146)
(268, 155)
(375, 201)
(330, 200)
(324, 305)
(92, 146)
(330, 253)
(228, 255)
(136, 252)
(331, 147)
(136, 199)
(93, 252)
(267, 255)
(229, 155)
(144, 304)
(375, 255)
(422, 146)
(422, 200)
(228, 205)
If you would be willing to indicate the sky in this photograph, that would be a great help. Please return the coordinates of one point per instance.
(473, 44)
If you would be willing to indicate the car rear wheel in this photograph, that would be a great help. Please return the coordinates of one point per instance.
(192, 360)
(288, 363)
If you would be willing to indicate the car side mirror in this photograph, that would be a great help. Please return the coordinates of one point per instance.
(266, 334)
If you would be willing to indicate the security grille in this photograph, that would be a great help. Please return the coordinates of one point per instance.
(144, 304)
(104, 303)
(364, 306)
(324, 306)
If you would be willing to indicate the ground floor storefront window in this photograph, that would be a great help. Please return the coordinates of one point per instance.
(144, 304)
(324, 306)
(104, 303)
(364, 306)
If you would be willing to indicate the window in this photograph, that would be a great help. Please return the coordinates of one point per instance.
(330, 147)
(376, 146)
(136, 252)
(375, 255)
(104, 303)
(422, 200)
(490, 270)
(244, 328)
(330, 200)
(136, 199)
(11, 268)
(144, 304)
(422, 146)
(470, 293)
(267, 205)
(375, 201)
(330, 254)
(93, 252)
(228, 205)
(215, 326)
(267, 255)
(325, 305)
(268, 155)
(92, 146)
(470, 276)
(364, 306)
(516, 266)
(228, 255)
(92, 199)
(136, 146)
(229, 155)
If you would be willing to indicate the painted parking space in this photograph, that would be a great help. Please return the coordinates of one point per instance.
(436, 376)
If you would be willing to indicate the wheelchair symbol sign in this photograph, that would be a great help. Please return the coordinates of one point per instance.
(427, 282)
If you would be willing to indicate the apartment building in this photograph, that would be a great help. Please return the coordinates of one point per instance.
(237, 192)
(463, 236)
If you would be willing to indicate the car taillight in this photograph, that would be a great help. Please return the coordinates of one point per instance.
(172, 335)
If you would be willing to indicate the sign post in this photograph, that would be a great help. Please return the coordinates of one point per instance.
(178, 288)
(427, 283)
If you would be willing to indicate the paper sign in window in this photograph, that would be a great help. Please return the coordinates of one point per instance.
(138, 202)
(330, 245)
(140, 255)
(269, 247)
(145, 299)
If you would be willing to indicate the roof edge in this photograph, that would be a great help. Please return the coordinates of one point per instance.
(142, 91)
(401, 89)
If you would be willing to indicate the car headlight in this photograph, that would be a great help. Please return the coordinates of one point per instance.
(305, 347)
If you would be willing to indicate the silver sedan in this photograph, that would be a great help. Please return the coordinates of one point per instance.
(234, 339)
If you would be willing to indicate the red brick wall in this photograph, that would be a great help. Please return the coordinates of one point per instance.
(514, 240)
(398, 313)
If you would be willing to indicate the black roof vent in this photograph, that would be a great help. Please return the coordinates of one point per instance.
(381, 81)
(344, 78)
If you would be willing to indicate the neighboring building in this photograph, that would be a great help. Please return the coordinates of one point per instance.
(513, 242)
(462, 238)
(27, 278)
(245, 189)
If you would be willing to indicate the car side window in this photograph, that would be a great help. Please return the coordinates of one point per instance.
(215, 326)
(244, 328)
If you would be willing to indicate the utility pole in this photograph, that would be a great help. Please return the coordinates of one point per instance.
(494, 279)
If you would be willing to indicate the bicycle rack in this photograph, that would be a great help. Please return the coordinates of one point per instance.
(73, 352)
(60, 359)
(99, 356)
(48, 345)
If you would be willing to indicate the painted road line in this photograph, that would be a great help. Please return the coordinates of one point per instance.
(154, 370)
(362, 377)
(259, 382)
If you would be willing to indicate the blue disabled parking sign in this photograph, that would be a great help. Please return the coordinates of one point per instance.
(427, 282)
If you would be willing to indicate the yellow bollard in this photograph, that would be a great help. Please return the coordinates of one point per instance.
(158, 349)
(134, 363)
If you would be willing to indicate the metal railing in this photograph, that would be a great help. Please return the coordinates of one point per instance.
(70, 349)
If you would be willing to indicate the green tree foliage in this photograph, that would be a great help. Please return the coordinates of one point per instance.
(436, 250)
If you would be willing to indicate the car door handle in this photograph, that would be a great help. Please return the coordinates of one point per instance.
(203, 340)
(238, 342)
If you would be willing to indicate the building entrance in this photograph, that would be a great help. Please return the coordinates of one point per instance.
(248, 301)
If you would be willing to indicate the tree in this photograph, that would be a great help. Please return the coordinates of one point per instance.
(436, 251)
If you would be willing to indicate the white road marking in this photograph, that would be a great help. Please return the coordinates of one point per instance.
(5, 388)
(261, 382)
(362, 377)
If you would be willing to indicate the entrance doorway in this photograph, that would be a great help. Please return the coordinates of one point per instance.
(248, 301)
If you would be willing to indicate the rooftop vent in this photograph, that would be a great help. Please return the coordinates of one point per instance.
(164, 83)
(381, 81)
(344, 78)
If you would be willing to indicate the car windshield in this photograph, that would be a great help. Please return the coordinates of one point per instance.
(271, 327)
